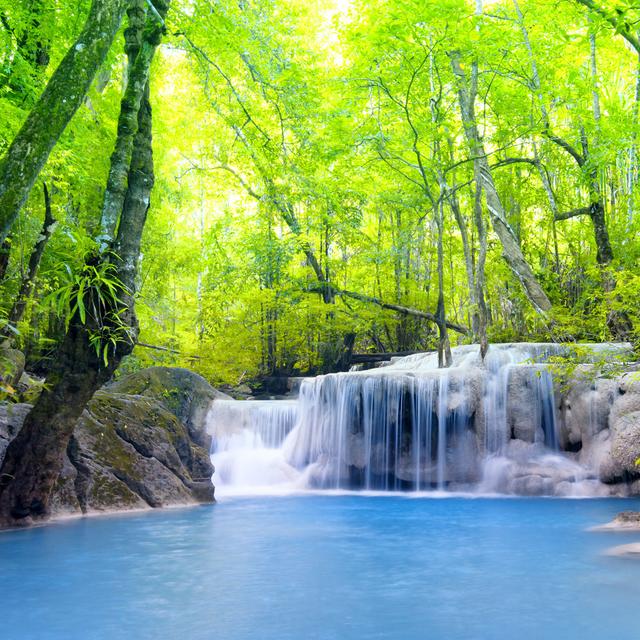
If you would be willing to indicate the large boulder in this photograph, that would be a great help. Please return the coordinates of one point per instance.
(624, 427)
(182, 392)
(140, 443)
(584, 408)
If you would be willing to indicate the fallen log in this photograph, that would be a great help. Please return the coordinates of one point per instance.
(363, 358)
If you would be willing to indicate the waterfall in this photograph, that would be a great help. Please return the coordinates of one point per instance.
(409, 426)
(247, 438)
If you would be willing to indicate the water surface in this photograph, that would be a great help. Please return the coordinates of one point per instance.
(326, 567)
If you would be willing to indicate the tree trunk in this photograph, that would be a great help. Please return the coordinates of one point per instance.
(28, 281)
(482, 257)
(444, 346)
(140, 52)
(510, 248)
(468, 258)
(56, 106)
(34, 458)
(5, 252)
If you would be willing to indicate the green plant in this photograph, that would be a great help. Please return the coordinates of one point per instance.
(94, 294)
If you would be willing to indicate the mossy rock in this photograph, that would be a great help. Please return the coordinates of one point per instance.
(132, 450)
(140, 443)
(182, 392)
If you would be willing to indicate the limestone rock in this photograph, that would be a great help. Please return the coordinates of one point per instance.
(624, 521)
(585, 407)
(624, 423)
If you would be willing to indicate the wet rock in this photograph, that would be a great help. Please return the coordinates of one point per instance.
(585, 407)
(624, 521)
(625, 550)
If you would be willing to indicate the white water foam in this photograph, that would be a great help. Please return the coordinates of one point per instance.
(407, 426)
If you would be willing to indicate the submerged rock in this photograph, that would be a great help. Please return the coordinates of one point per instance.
(140, 443)
(625, 550)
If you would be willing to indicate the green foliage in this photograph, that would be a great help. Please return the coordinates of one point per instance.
(93, 294)
(289, 129)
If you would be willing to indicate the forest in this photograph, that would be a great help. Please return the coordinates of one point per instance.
(387, 175)
(271, 188)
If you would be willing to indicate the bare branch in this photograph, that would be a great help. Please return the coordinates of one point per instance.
(574, 213)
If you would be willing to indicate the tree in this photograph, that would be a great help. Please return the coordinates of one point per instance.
(65, 92)
(102, 326)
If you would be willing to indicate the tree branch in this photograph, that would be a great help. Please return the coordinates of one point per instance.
(407, 311)
(574, 213)
(508, 161)
(619, 25)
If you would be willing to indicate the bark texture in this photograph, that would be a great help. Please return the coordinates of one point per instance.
(510, 247)
(140, 45)
(29, 278)
(56, 106)
(34, 458)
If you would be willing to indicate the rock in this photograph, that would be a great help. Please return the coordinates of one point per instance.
(625, 550)
(184, 393)
(138, 444)
(527, 388)
(134, 441)
(624, 424)
(624, 521)
(585, 407)
(11, 418)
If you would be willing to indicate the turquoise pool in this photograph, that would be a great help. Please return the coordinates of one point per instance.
(326, 567)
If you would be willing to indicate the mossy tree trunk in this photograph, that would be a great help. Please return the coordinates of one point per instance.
(54, 109)
(34, 458)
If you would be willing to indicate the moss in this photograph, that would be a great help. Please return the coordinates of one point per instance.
(111, 492)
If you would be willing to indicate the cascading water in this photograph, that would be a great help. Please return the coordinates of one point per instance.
(248, 437)
(408, 426)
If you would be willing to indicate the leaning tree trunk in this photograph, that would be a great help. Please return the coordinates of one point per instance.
(56, 106)
(28, 281)
(34, 458)
(482, 257)
(510, 247)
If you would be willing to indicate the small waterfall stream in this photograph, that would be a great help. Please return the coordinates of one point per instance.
(478, 426)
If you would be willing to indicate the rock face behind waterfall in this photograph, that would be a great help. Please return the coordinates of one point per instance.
(140, 443)
(526, 421)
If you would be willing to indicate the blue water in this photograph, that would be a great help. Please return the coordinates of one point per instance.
(326, 567)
